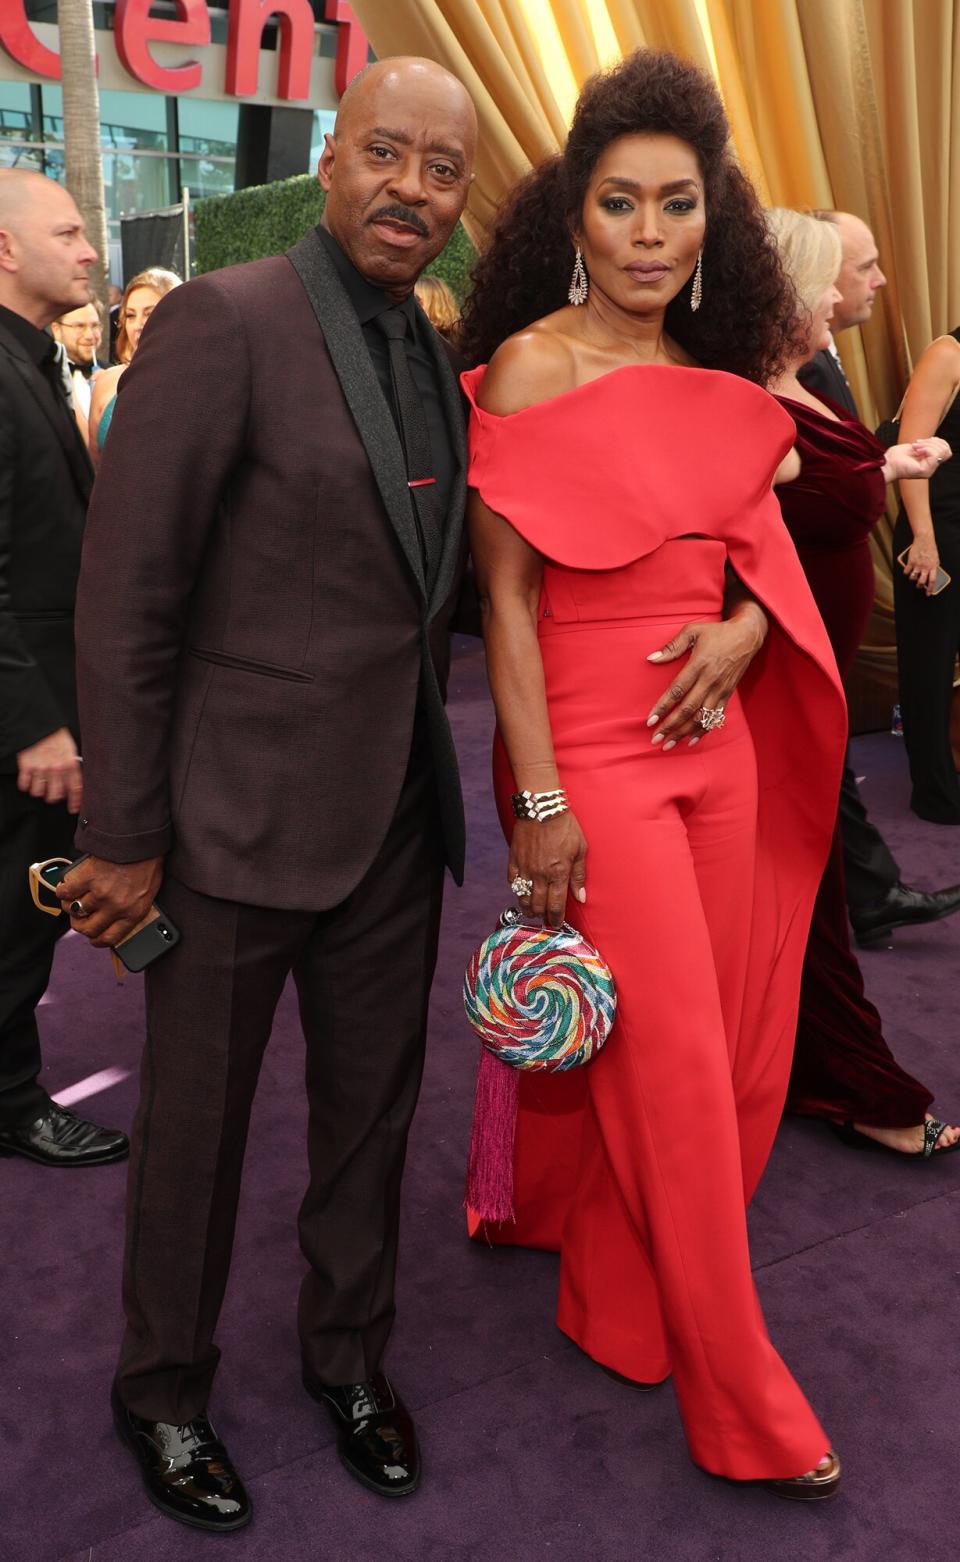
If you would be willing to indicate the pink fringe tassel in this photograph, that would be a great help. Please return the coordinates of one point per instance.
(490, 1166)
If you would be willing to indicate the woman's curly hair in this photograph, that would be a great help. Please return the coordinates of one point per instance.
(744, 323)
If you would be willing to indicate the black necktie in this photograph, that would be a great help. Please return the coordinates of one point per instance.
(415, 436)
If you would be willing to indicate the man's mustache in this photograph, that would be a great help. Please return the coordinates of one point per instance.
(401, 214)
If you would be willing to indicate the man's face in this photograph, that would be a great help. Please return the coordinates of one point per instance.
(80, 333)
(396, 174)
(860, 274)
(47, 250)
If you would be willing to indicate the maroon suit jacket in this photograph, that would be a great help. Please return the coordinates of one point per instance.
(253, 626)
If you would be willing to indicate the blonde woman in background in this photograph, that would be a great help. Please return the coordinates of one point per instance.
(438, 304)
(843, 1069)
(140, 298)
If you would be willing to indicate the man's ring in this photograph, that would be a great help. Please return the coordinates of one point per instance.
(521, 886)
(77, 909)
(711, 720)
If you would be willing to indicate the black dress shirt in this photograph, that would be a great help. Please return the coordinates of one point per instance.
(370, 301)
(41, 349)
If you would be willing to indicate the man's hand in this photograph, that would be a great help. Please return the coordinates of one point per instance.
(51, 769)
(113, 897)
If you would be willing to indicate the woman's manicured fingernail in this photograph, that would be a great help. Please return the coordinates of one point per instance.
(652, 720)
(658, 737)
(582, 896)
(671, 744)
(693, 741)
(654, 656)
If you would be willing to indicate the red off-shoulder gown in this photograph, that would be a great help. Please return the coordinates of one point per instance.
(701, 873)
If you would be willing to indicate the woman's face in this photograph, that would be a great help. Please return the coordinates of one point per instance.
(140, 306)
(643, 221)
(821, 318)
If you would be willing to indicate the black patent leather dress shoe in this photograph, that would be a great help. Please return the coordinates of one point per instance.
(902, 906)
(376, 1438)
(186, 1469)
(60, 1138)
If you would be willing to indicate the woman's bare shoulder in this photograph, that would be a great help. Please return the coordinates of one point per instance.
(531, 366)
(106, 383)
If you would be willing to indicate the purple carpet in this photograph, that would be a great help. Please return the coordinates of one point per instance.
(530, 1453)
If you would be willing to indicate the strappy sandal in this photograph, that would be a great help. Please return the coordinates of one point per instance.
(931, 1133)
(815, 1486)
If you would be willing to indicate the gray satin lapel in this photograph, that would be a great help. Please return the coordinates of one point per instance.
(456, 422)
(361, 390)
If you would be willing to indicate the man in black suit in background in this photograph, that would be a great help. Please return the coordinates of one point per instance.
(45, 482)
(877, 898)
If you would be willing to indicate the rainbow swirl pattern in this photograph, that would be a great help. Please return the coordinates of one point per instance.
(539, 997)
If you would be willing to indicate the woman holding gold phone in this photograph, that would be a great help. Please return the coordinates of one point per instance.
(926, 587)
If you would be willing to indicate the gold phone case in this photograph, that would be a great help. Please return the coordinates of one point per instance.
(942, 577)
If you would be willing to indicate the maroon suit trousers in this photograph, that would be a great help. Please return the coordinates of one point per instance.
(363, 973)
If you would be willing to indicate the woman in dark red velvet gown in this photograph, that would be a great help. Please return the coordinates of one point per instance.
(843, 1069)
(622, 518)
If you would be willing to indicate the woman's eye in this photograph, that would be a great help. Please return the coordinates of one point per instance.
(681, 206)
(617, 203)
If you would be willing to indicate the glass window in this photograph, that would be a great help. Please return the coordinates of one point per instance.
(208, 145)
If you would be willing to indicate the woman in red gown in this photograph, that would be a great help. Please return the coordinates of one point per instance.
(623, 518)
(843, 1069)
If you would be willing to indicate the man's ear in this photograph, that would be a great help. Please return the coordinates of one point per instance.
(325, 165)
(8, 257)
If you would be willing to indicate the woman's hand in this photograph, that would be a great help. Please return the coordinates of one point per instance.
(719, 656)
(919, 459)
(922, 562)
(551, 853)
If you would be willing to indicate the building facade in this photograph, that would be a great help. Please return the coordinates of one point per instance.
(209, 97)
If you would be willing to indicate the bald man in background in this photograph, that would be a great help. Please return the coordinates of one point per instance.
(877, 898)
(45, 482)
(263, 639)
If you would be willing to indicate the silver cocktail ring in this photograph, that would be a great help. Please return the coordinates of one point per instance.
(711, 720)
(77, 909)
(521, 886)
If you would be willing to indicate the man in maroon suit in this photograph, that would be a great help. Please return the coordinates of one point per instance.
(273, 555)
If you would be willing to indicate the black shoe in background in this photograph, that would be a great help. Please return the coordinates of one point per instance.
(186, 1469)
(58, 1137)
(902, 906)
(376, 1438)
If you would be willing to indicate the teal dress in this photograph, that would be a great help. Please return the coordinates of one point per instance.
(105, 420)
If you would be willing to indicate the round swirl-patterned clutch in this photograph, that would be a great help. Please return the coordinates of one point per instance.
(539, 997)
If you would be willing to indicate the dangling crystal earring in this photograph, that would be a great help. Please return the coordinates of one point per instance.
(579, 282)
(696, 292)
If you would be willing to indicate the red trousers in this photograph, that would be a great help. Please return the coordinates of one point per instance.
(640, 1166)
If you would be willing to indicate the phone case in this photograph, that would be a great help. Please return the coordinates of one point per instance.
(940, 581)
(155, 935)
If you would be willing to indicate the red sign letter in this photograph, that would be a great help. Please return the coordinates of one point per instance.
(24, 46)
(352, 44)
(136, 29)
(247, 21)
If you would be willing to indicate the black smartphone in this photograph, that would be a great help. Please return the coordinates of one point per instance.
(151, 939)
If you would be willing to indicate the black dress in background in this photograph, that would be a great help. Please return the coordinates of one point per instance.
(928, 639)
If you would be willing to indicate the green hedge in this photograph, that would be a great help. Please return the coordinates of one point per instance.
(268, 218)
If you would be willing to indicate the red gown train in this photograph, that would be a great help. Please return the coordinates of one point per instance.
(701, 873)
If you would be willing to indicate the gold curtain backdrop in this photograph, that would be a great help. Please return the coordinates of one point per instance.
(852, 104)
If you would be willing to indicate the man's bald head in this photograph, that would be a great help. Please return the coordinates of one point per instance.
(399, 75)
(397, 168)
(45, 257)
(860, 274)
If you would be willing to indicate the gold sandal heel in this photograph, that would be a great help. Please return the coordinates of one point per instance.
(816, 1486)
